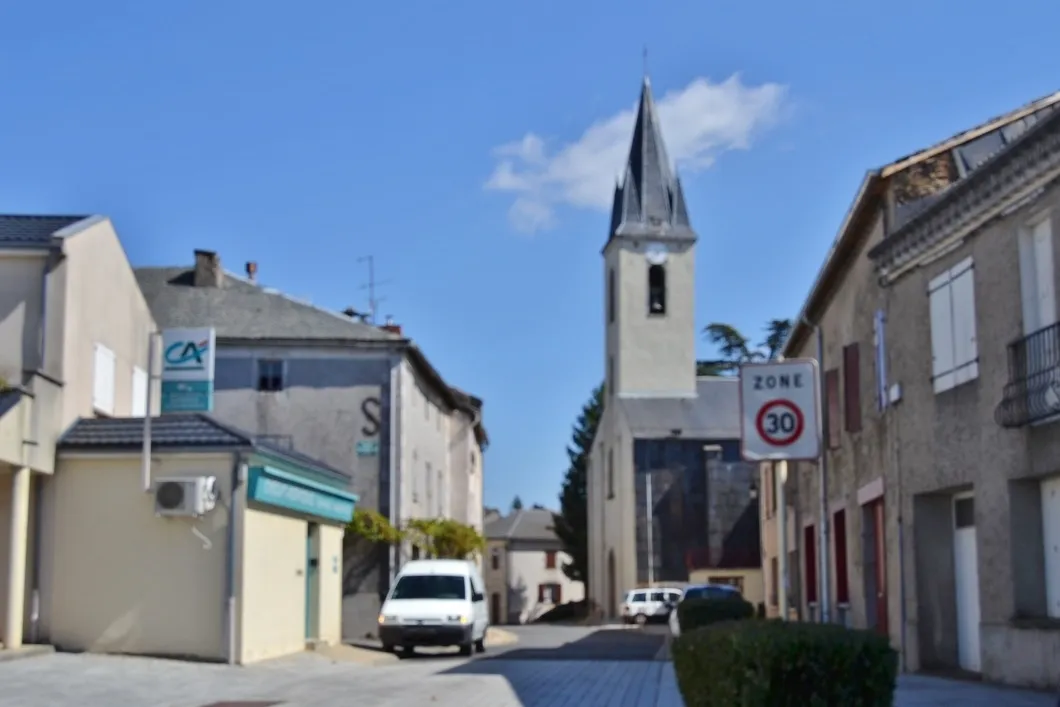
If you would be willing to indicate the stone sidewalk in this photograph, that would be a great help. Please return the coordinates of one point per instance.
(65, 680)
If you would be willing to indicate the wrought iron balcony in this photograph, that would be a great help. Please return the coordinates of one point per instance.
(1033, 389)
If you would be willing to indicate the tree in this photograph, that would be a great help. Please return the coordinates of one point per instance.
(435, 537)
(571, 524)
(735, 348)
(517, 504)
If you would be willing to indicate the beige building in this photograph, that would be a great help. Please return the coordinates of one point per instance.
(936, 308)
(73, 343)
(93, 558)
(235, 555)
(524, 567)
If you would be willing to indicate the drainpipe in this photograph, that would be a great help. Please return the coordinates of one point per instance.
(824, 585)
(38, 482)
(239, 473)
(145, 461)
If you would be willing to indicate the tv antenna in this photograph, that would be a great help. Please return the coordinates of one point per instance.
(371, 286)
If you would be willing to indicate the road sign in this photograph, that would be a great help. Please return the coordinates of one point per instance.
(779, 416)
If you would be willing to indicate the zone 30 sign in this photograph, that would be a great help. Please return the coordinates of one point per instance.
(779, 417)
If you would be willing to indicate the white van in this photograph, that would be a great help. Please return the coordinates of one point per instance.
(435, 603)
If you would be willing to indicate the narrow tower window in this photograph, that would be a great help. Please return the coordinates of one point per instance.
(656, 289)
(610, 295)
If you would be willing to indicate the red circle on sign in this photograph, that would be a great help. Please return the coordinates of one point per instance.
(770, 437)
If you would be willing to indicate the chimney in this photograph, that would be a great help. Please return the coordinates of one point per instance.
(391, 326)
(252, 270)
(208, 272)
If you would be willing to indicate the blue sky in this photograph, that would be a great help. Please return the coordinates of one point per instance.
(303, 136)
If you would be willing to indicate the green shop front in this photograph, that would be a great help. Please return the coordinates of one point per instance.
(293, 522)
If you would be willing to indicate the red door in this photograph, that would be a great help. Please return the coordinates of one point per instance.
(881, 566)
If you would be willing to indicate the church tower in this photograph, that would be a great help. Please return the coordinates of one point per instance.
(649, 273)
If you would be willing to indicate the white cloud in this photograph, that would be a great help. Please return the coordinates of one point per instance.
(699, 121)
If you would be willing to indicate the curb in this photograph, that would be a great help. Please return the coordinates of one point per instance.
(25, 651)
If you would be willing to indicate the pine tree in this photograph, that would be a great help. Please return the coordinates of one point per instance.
(572, 522)
(517, 504)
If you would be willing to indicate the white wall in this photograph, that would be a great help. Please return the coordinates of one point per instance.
(425, 456)
(526, 571)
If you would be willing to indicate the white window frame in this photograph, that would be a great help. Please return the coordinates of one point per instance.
(952, 311)
(104, 367)
(138, 408)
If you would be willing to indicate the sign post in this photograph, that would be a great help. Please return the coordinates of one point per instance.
(187, 370)
(779, 422)
(779, 419)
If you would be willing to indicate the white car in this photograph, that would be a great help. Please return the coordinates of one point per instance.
(701, 591)
(435, 603)
(643, 605)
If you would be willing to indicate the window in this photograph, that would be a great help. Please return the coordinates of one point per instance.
(610, 473)
(103, 380)
(831, 421)
(495, 558)
(139, 392)
(656, 290)
(955, 353)
(270, 375)
(879, 340)
(809, 539)
(430, 586)
(549, 594)
(842, 579)
(1037, 284)
(611, 376)
(774, 584)
(550, 560)
(611, 296)
(852, 387)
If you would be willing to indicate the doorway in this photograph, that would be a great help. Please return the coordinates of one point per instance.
(612, 590)
(966, 581)
(495, 609)
(874, 552)
(1051, 542)
(312, 580)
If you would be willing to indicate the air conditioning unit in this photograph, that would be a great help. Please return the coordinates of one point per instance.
(185, 495)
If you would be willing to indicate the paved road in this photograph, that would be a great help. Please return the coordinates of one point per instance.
(549, 667)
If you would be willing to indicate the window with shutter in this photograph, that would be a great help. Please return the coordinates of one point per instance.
(103, 380)
(831, 386)
(139, 392)
(954, 350)
(852, 387)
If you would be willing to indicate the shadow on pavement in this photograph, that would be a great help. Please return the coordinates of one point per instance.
(603, 645)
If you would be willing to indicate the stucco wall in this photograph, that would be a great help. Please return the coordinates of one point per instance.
(526, 571)
(20, 309)
(611, 527)
(126, 581)
(322, 412)
(425, 450)
(330, 585)
(273, 609)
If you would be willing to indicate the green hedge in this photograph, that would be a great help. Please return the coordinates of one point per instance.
(695, 613)
(784, 664)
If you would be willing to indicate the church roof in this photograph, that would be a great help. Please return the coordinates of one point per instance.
(713, 414)
(648, 200)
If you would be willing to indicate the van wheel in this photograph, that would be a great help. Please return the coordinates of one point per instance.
(641, 619)
(480, 645)
(466, 649)
(388, 648)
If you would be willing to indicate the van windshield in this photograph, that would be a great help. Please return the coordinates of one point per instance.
(430, 586)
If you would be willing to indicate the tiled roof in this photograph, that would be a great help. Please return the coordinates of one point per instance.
(649, 202)
(244, 310)
(178, 431)
(27, 230)
(524, 524)
(713, 414)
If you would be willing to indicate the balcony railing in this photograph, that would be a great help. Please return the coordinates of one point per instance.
(1033, 389)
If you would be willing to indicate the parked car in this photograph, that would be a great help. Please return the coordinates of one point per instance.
(435, 603)
(700, 591)
(643, 605)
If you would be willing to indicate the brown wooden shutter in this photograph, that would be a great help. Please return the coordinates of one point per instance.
(831, 387)
(852, 387)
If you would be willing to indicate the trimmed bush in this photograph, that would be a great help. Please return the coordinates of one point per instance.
(695, 613)
(784, 664)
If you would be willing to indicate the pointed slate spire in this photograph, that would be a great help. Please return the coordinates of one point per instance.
(649, 202)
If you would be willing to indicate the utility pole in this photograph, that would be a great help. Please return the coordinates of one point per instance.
(371, 285)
